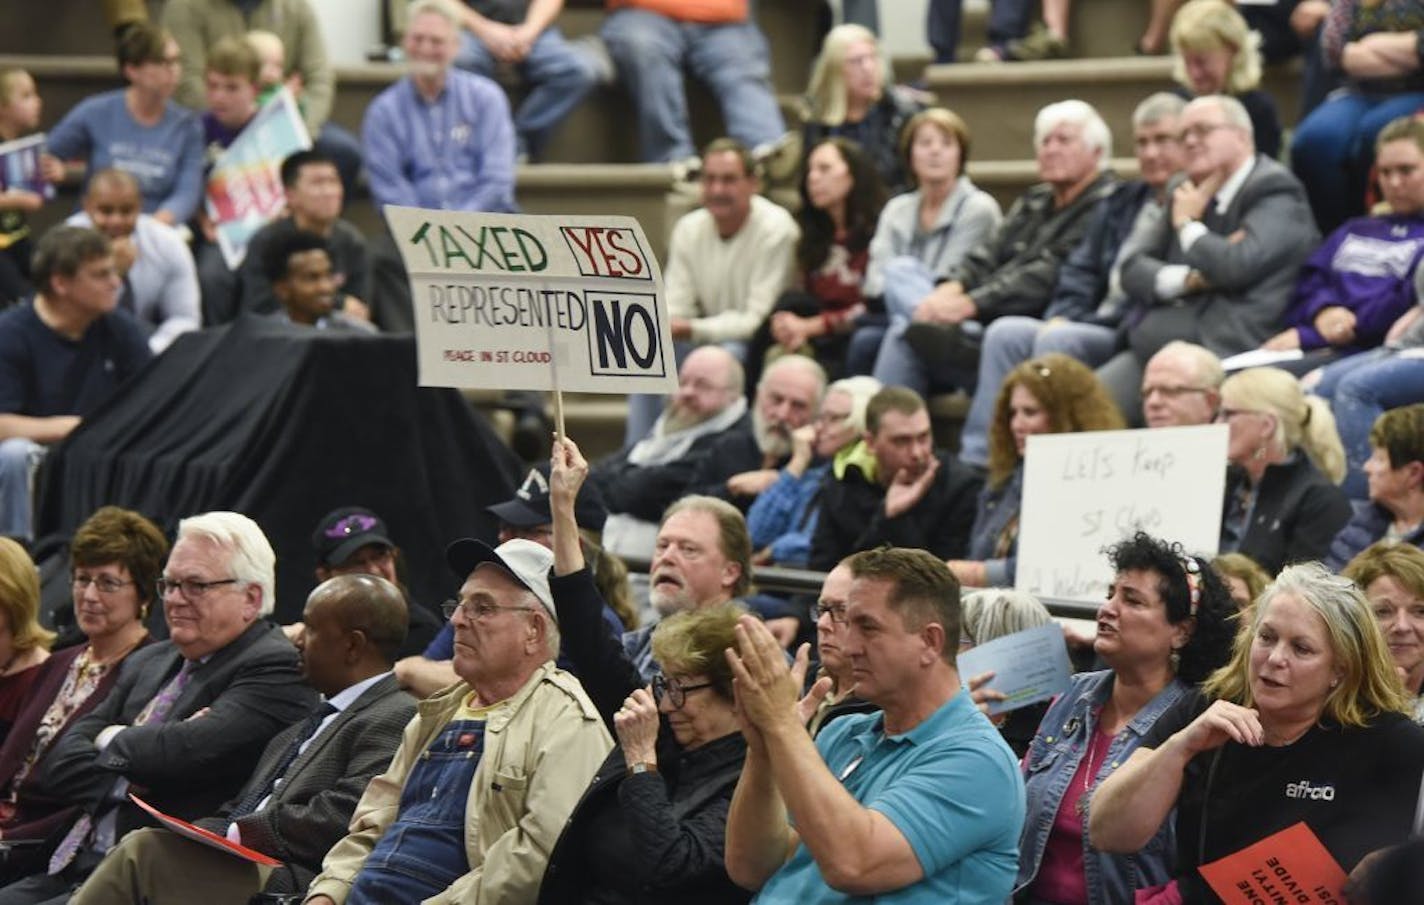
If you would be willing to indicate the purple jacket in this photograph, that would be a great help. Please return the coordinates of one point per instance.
(1367, 266)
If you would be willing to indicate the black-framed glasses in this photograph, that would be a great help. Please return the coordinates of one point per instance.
(190, 588)
(105, 584)
(674, 691)
(473, 611)
(837, 612)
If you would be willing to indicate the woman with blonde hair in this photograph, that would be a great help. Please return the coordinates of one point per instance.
(1283, 500)
(1051, 394)
(851, 95)
(1392, 576)
(1215, 52)
(24, 643)
(1307, 723)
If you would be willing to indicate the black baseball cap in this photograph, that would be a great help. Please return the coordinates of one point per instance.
(341, 532)
(529, 507)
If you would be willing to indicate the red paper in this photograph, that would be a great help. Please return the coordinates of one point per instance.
(1290, 866)
(200, 835)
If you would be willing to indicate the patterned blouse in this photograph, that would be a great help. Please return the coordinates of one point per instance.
(79, 683)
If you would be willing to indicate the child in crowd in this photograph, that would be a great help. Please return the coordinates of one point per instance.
(19, 115)
(272, 59)
(230, 83)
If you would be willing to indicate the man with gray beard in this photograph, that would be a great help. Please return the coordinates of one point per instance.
(741, 464)
(703, 558)
(641, 481)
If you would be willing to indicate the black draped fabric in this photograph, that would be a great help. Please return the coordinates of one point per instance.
(284, 424)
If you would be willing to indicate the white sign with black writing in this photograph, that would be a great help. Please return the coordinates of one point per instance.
(506, 301)
(1086, 491)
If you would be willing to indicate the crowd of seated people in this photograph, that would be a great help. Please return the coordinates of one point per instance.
(615, 745)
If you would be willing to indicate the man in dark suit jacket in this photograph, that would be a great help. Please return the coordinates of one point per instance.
(190, 715)
(1219, 268)
(299, 801)
(638, 483)
(742, 463)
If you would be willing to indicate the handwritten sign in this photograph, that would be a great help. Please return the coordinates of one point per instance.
(1289, 866)
(1028, 666)
(506, 301)
(20, 166)
(1085, 491)
(245, 190)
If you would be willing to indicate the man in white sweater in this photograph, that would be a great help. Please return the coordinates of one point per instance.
(727, 263)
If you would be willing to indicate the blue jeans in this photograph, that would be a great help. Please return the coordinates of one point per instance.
(1008, 19)
(18, 456)
(558, 76)
(1335, 145)
(1360, 388)
(423, 851)
(907, 282)
(732, 60)
(1010, 341)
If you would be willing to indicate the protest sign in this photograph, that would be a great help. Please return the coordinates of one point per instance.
(1289, 866)
(1085, 491)
(1028, 666)
(245, 186)
(506, 301)
(20, 166)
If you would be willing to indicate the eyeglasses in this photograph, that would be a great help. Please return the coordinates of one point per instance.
(674, 690)
(1228, 414)
(190, 588)
(832, 417)
(473, 611)
(104, 584)
(1169, 391)
(1200, 130)
(837, 612)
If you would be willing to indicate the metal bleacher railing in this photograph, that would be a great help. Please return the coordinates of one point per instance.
(781, 580)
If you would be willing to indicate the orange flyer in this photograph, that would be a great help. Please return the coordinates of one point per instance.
(1289, 866)
(203, 837)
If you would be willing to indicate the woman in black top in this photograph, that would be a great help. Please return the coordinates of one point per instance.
(651, 827)
(1306, 723)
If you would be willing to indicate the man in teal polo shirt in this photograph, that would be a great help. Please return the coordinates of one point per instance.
(920, 803)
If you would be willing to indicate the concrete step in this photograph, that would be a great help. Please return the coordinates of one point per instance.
(998, 100)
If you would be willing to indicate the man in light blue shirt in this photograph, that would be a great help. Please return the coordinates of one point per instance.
(440, 137)
(920, 803)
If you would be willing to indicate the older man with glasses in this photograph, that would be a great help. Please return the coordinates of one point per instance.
(491, 767)
(189, 716)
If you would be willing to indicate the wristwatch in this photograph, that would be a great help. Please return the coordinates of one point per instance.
(635, 769)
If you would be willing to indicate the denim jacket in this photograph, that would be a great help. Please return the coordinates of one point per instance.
(1054, 757)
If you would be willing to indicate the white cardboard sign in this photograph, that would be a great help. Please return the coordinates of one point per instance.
(525, 302)
(1085, 491)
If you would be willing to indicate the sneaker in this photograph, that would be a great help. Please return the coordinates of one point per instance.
(991, 54)
(1038, 44)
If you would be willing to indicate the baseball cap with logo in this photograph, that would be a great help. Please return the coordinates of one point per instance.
(341, 532)
(527, 563)
(530, 506)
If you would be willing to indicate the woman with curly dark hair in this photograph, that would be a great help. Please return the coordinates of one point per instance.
(1167, 623)
(841, 198)
(1051, 394)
